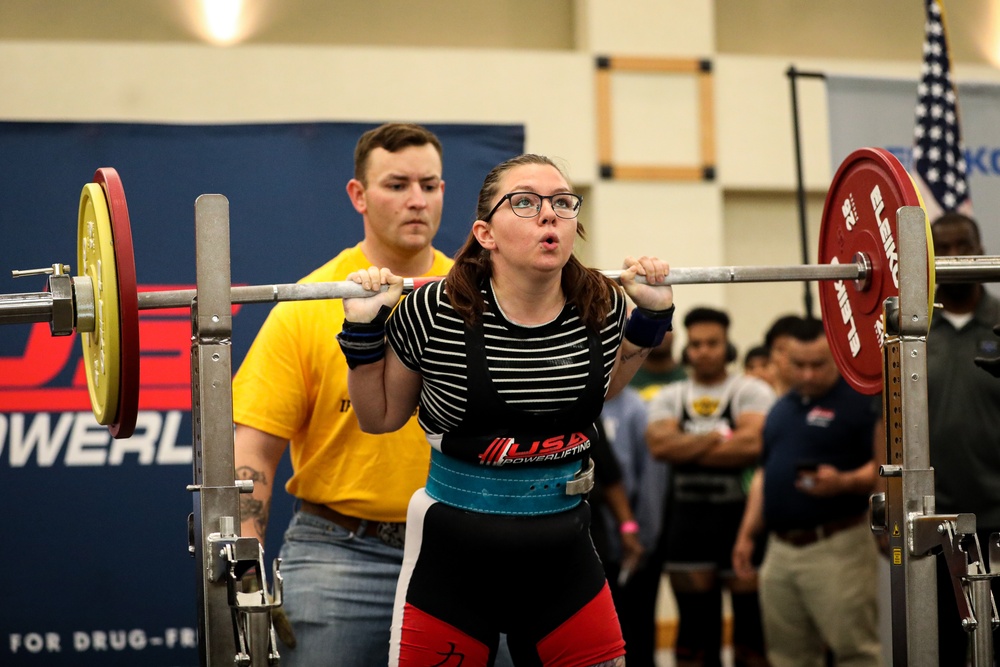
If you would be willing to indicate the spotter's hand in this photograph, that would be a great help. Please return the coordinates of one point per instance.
(364, 309)
(654, 295)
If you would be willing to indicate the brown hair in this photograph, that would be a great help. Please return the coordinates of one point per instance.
(392, 137)
(587, 289)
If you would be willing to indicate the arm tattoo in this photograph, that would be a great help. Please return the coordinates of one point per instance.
(642, 353)
(251, 507)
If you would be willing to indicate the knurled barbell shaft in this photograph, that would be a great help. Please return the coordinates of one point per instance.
(37, 306)
(758, 274)
(344, 289)
(347, 289)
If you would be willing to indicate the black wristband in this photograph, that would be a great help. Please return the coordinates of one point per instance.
(667, 314)
(647, 328)
(364, 342)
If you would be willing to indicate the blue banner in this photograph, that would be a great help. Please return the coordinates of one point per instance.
(95, 547)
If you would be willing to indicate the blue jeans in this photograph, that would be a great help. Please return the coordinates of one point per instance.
(338, 594)
(339, 591)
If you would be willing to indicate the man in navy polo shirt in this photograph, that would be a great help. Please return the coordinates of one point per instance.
(963, 415)
(818, 580)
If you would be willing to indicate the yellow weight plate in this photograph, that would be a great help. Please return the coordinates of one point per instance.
(95, 258)
(931, 269)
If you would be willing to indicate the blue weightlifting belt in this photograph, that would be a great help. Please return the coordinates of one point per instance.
(507, 490)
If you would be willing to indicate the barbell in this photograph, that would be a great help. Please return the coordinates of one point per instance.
(857, 270)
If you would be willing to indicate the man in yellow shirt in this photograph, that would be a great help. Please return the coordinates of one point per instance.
(343, 549)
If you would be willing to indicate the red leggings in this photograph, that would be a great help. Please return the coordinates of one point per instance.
(467, 577)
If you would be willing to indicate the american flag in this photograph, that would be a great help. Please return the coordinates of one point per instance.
(938, 159)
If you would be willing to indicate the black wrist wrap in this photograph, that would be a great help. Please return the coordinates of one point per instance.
(364, 342)
(646, 328)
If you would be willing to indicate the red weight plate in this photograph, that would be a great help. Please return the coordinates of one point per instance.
(128, 299)
(859, 216)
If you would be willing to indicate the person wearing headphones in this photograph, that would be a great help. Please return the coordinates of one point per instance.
(709, 428)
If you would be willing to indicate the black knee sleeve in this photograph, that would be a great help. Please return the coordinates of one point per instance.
(747, 629)
(699, 632)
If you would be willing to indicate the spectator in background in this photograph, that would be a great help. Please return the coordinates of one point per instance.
(818, 581)
(613, 525)
(708, 428)
(634, 583)
(963, 414)
(757, 362)
(659, 369)
(776, 340)
(621, 415)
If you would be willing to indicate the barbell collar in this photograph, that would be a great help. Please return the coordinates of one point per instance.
(63, 321)
(54, 270)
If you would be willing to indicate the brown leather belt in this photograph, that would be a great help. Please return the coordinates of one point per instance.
(801, 537)
(388, 532)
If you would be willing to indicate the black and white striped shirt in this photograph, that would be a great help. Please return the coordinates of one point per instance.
(536, 369)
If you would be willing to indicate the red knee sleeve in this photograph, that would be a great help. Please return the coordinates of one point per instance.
(426, 640)
(589, 637)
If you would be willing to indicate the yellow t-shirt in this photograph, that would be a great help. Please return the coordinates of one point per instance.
(293, 384)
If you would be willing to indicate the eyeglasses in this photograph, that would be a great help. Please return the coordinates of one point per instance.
(529, 204)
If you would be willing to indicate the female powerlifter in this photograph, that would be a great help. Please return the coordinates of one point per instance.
(509, 360)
